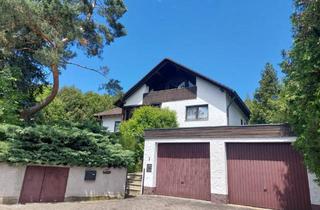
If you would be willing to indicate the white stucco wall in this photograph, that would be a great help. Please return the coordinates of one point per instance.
(150, 157)
(314, 190)
(108, 122)
(111, 185)
(206, 94)
(11, 179)
(235, 114)
(137, 97)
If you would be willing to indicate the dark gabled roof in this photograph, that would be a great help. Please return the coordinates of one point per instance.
(231, 92)
(110, 112)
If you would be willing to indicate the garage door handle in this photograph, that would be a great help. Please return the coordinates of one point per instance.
(182, 182)
(264, 189)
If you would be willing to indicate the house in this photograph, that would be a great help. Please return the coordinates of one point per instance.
(197, 100)
(110, 119)
(214, 155)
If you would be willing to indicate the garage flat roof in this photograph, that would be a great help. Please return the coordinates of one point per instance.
(268, 130)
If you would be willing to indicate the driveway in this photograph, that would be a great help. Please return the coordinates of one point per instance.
(137, 203)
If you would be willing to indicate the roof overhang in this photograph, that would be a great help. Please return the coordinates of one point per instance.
(232, 93)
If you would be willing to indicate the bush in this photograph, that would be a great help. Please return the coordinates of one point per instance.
(57, 145)
(145, 117)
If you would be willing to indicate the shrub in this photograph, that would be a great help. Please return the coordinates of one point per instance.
(57, 145)
(145, 117)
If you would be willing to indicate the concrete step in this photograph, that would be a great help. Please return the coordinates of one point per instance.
(134, 184)
(134, 175)
(134, 178)
(133, 181)
(134, 192)
(134, 188)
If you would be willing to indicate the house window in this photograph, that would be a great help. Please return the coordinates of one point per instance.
(116, 126)
(197, 112)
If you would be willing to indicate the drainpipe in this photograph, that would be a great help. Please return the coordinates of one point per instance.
(231, 102)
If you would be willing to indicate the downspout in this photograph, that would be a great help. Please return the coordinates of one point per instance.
(231, 102)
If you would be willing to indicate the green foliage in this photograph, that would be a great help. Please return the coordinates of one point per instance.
(266, 106)
(60, 25)
(9, 96)
(37, 36)
(57, 145)
(302, 81)
(145, 117)
(20, 82)
(72, 107)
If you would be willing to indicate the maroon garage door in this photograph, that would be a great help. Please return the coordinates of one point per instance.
(183, 170)
(44, 184)
(267, 175)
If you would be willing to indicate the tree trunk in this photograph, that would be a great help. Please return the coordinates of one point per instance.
(28, 112)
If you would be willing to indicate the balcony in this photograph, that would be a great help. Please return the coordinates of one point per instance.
(156, 97)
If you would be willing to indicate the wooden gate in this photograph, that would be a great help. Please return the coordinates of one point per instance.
(268, 175)
(44, 184)
(183, 170)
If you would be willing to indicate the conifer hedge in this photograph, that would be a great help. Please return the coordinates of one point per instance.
(57, 145)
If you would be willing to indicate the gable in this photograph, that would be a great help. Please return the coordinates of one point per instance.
(157, 79)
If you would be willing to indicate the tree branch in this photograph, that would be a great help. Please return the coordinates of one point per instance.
(87, 68)
(28, 112)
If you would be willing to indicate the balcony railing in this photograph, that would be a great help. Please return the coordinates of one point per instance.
(160, 96)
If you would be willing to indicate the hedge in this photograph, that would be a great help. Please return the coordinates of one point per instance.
(57, 145)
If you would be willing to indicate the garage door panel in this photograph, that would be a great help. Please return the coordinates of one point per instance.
(54, 184)
(183, 170)
(267, 175)
(32, 183)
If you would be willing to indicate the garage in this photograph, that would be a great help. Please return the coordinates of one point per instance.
(44, 184)
(268, 175)
(252, 165)
(183, 170)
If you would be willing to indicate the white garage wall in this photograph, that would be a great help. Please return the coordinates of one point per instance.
(206, 94)
(109, 185)
(314, 189)
(150, 157)
(11, 179)
(108, 122)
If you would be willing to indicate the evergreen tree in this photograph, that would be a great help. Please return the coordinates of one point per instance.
(46, 32)
(264, 104)
(302, 81)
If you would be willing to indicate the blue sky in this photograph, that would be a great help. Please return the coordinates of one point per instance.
(227, 40)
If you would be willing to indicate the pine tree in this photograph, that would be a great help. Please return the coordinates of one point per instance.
(264, 104)
(302, 81)
(47, 32)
